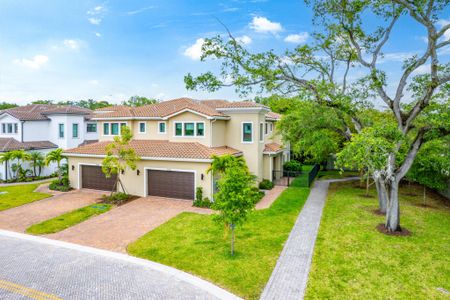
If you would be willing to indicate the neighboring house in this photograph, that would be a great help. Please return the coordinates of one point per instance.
(175, 140)
(43, 128)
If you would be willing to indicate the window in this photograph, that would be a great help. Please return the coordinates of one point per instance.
(200, 129)
(105, 128)
(10, 128)
(267, 127)
(189, 129)
(91, 128)
(114, 128)
(271, 127)
(178, 129)
(261, 132)
(75, 131)
(61, 131)
(142, 127)
(247, 136)
(161, 127)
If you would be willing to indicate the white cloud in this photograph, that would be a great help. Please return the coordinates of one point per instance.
(244, 40)
(297, 38)
(99, 9)
(395, 57)
(264, 25)
(72, 44)
(442, 23)
(98, 34)
(140, 10)
(194, 52)
(95, 21)
(423, 69)
(34, 63)
(93, 82)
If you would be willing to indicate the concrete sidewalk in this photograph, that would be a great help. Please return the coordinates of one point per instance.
(39, 268)
(290, 276)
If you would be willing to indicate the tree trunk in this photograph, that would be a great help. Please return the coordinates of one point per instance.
(59, 172)
(367, 185)
(382, 194)
(393, 208)
(232, 238)
(34, 168)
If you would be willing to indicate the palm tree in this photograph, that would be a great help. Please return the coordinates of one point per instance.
(55, 156)
(20, 156)
(37, 161)
(6, 157)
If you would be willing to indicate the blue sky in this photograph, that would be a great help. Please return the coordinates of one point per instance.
(111, 50)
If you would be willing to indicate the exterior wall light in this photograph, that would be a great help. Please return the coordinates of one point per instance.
(202, 176)
(73, 168)
(138, 172)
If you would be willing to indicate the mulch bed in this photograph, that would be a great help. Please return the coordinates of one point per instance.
(378, 212)
(403, 232)
(119, 203)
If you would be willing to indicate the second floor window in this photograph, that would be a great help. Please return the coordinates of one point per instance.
(112, 128)
(194, 129)
(161, 127)
(75, 131)
(142, 127)
(61, 131)
(261, 132)
(247, 135)
(10, 128)
(91, 128)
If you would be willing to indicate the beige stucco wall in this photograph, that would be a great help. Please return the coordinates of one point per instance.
(136, 184)
(219, 132)
(252, 151)
(267, 170)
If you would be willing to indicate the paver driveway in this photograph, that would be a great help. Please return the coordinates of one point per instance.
(117, 228)
(21, 217)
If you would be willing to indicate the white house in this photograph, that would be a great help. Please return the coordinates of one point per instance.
(40, 127)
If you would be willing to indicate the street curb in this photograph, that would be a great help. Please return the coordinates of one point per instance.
(186, 277)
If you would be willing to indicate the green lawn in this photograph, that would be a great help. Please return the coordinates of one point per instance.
(19, 195)
(336, 174)
(194, 243)
(352, 260)
(68, 219)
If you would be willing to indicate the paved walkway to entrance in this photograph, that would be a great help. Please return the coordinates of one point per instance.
(38, 268)
(270, 197)
(117, 228)
(21, 217)
(290, 276)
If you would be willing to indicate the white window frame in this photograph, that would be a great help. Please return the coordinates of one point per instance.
(165, 128)
(182, 129)
(96, 127)
(78, 131)
(261, 132)
(63, 131)
(110, 128)
(266, 128)
(242, 132)
(145, 128)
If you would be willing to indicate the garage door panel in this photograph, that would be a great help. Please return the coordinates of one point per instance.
(171, 184)
(92, 177)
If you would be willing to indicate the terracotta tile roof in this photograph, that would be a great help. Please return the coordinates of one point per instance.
(9, 144)
(36, 112)
(159, 148)
(210, 108)
(273, 115)
(272, 147)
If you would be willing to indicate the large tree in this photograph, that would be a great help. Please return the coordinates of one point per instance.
(319, 72)
(139, 101)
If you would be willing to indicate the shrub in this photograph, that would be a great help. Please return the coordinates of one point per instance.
(199, 194)
(205, 202)
(60, 185)
(116, 198)
(266, 185)
(292, 165)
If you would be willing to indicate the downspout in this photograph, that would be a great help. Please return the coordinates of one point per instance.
(21, 131)
(210, 144)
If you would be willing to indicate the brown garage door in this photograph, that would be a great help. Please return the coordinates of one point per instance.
(92, 177)
(170, 184)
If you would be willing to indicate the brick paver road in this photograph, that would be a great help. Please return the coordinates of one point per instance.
(117, 228)
(38, 268)
(21, 217)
